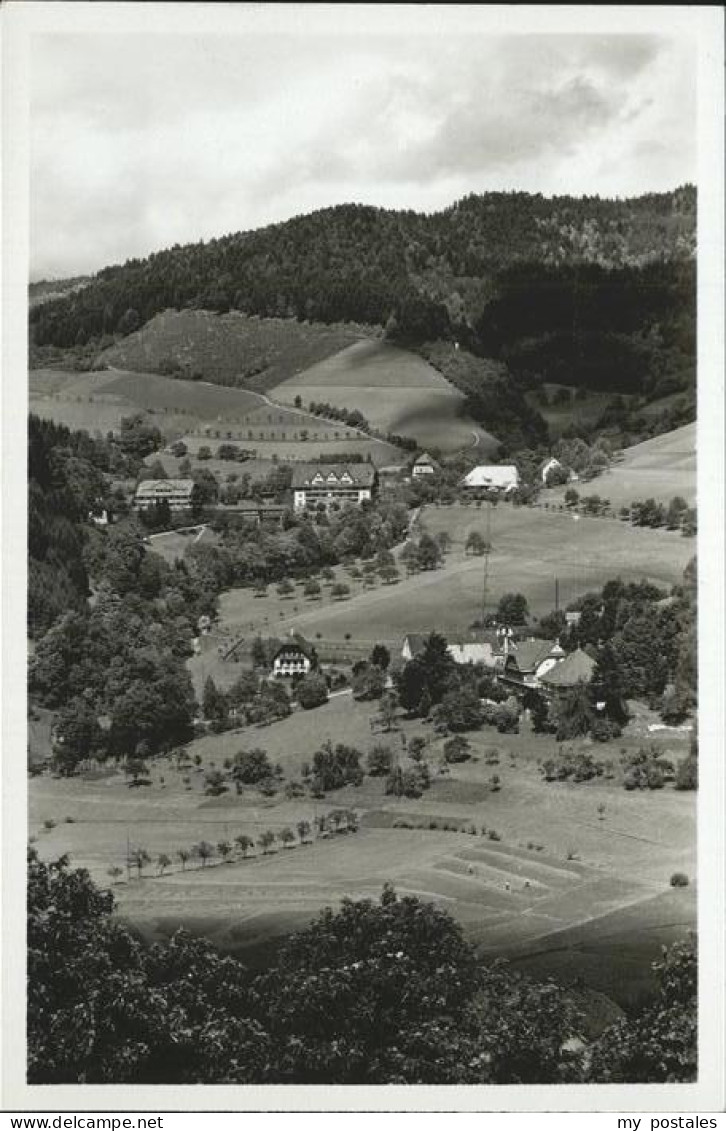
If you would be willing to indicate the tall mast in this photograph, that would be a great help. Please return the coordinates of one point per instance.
(487, 551)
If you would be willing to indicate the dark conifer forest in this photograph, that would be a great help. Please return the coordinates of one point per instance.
(559, 289)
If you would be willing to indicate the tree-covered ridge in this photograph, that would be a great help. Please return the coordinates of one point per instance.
(64, 481)
(360, 263)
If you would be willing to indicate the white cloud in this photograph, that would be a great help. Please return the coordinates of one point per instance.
(143, 141)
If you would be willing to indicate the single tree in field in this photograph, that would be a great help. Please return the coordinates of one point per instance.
(114, 872)
(340, 590)
(267, 839)
(444, 540)
(428, 552)
(163, 861)
(389, 574)
(416, 747)
(139, 857)
(183, 854)
(137, 769)
(387, 710)
(286, 837)
(410, 558)
(312, 588)
(380, 761)
(303, 830)
(457, 749)
(224, 848)
(285, 588)
(244, 843)
(204, 851)
(476, 543)
(336, 818)
(321, 824)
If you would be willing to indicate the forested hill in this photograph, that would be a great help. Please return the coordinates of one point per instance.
(427, 276)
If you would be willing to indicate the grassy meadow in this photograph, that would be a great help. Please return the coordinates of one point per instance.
(531, 547)
(558, 867)
(418, 401)
(656, 469)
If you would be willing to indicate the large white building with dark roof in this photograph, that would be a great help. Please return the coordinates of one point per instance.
(178, 493)
(327, 483)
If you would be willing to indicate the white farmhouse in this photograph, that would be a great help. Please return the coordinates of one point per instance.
(499, 477)
(293, 657)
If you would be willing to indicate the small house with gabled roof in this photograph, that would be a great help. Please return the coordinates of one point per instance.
(424, 466)
(529, 660)
(575, 670)
(293, 656)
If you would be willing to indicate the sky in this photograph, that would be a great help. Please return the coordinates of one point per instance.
(139, 142)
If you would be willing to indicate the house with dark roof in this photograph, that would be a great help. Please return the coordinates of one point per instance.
(529, 660)
(327, 483)
(575, 670)
(293, 656)
(413, 645)
(178, 493)
(424, 466)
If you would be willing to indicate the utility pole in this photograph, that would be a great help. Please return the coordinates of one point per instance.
(487, 551)
(557, 594)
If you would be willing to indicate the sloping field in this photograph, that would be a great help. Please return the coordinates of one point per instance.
(396, 391)
(562, 876)
(101, 398)
(198, 411)
(656, 469)
(531, 548)
(233, 349)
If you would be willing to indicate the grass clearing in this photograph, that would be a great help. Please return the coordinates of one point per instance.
(233, 349)
(656, 469)
(418, 401)
(198, 412)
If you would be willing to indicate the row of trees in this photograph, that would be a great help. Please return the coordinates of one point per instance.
(227, 851)
(373, 993)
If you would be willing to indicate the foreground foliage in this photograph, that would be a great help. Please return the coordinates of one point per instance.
(375, 993)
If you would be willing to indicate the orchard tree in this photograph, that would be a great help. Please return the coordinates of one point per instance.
(244, 843)
(204, 851)
(388, 710)
(380, 761)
